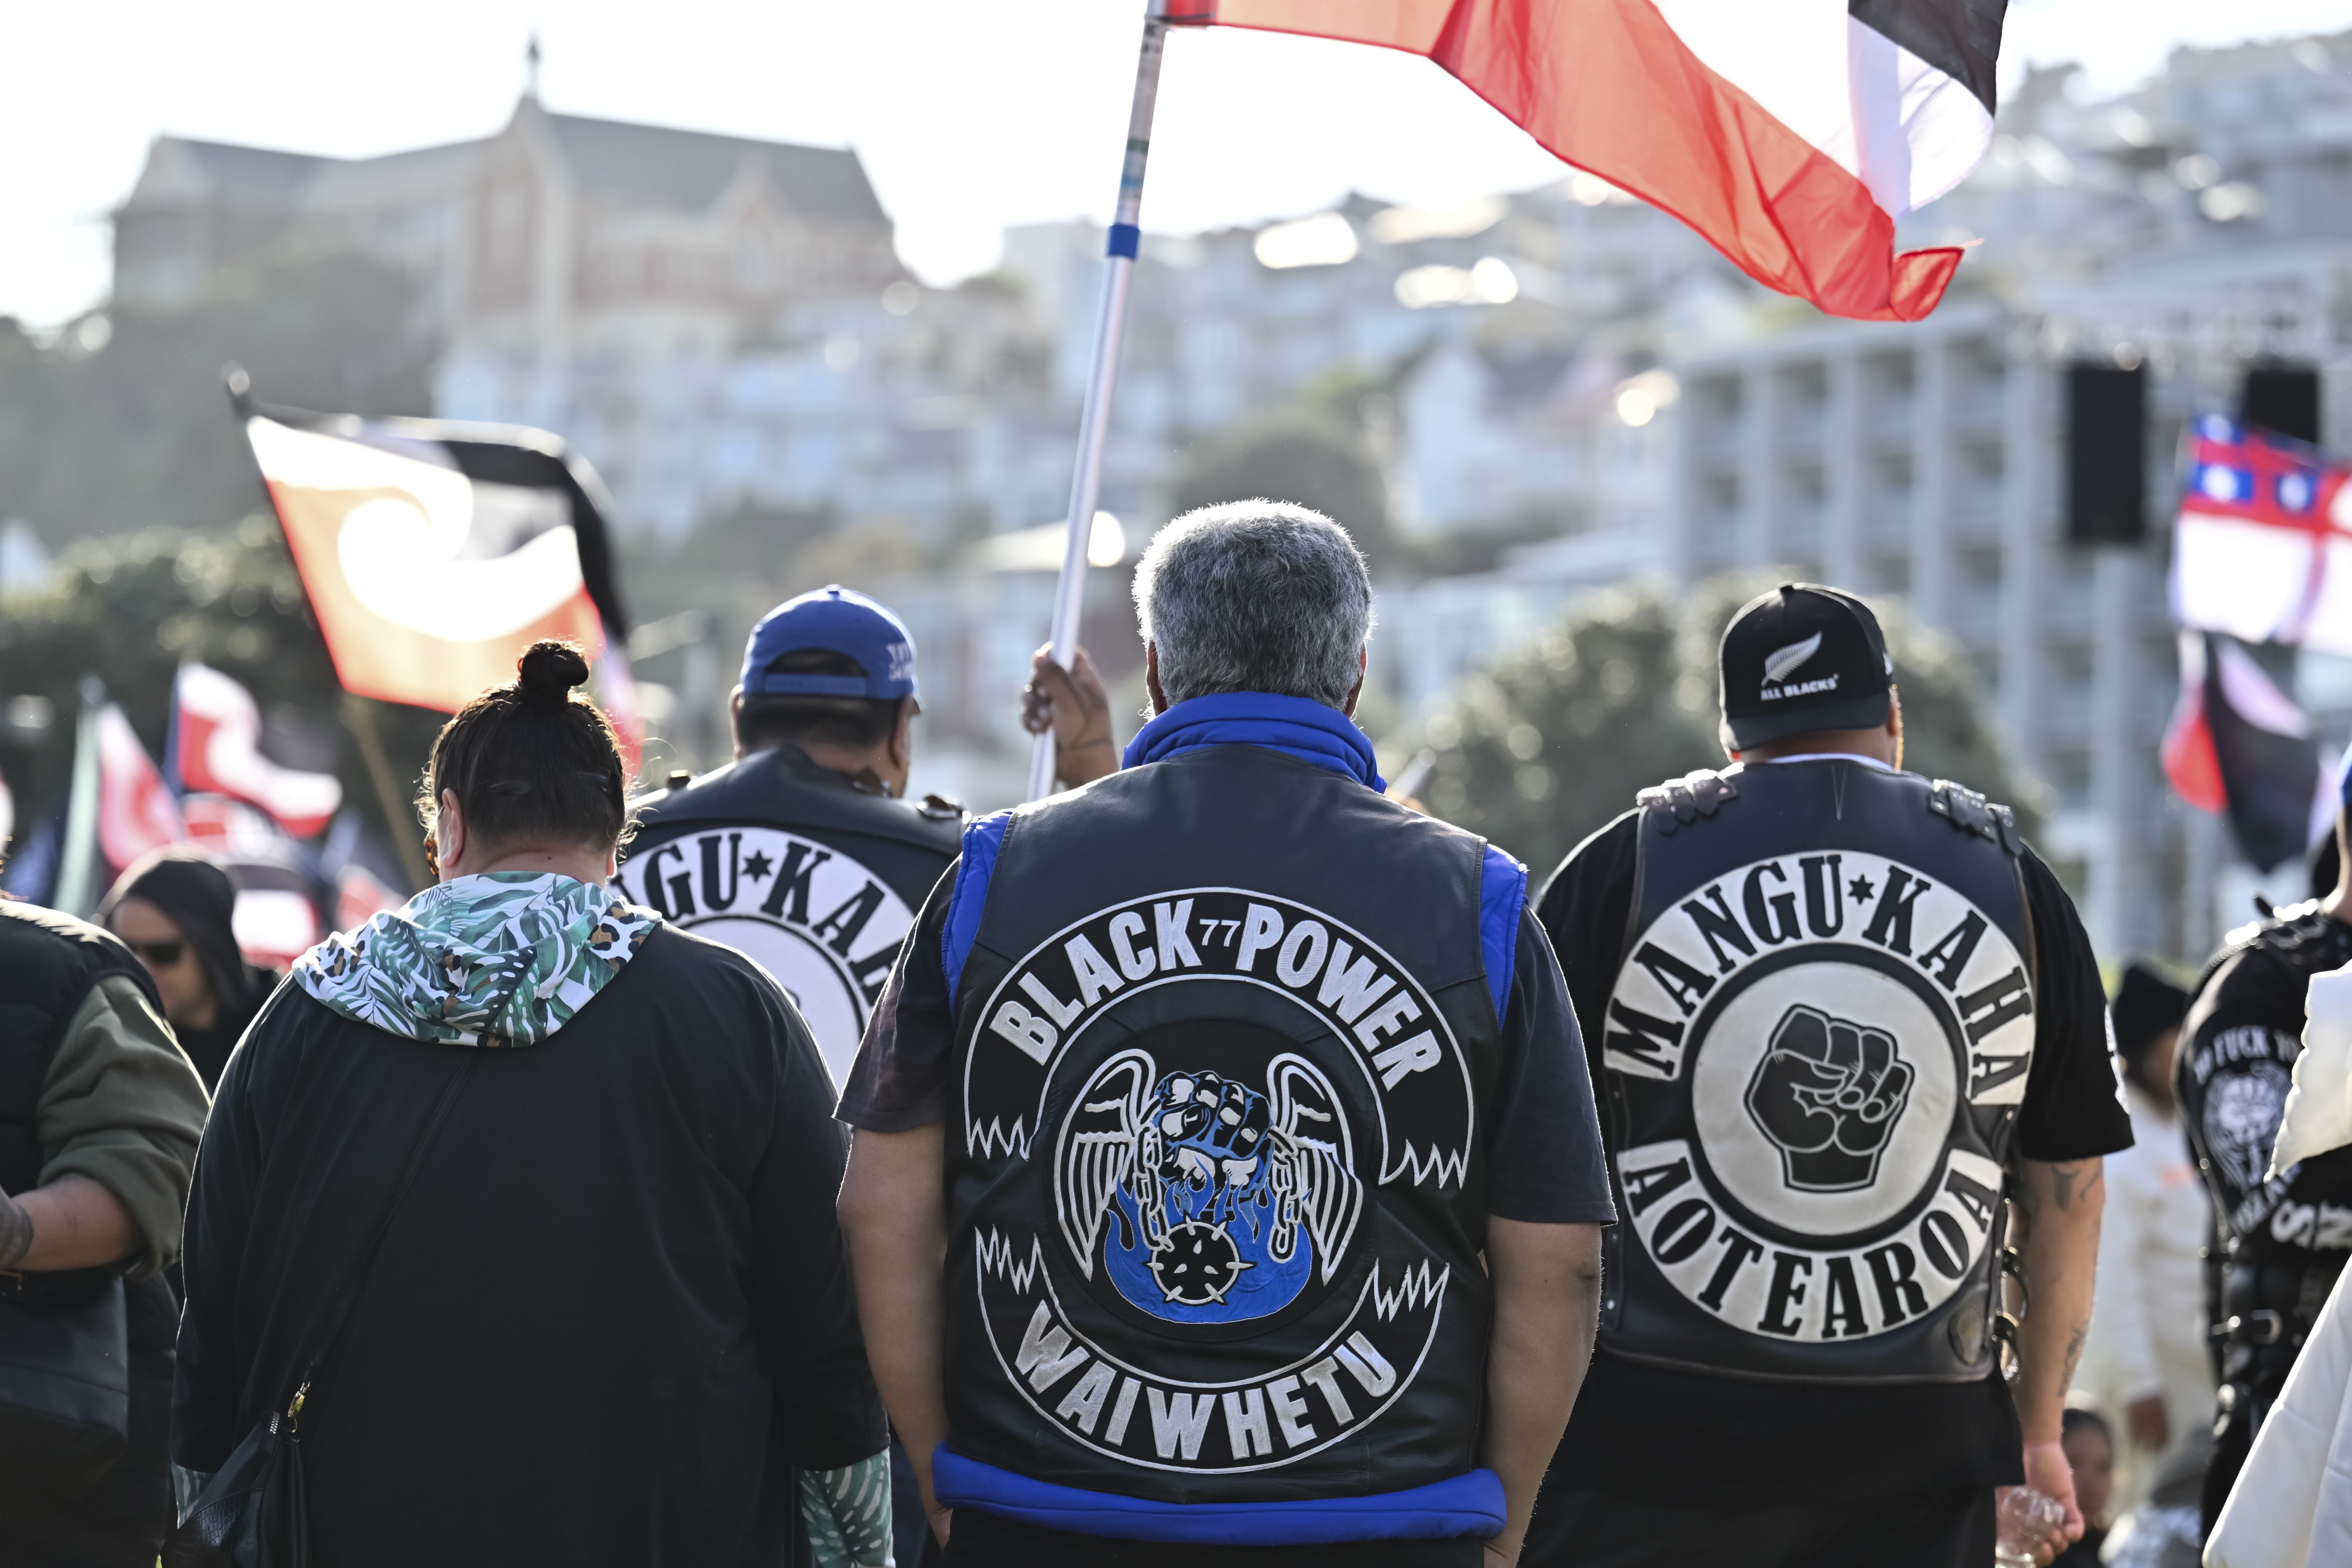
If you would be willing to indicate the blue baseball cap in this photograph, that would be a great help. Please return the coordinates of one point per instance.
(839, 621)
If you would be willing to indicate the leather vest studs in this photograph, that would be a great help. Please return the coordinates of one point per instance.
(1816, 1047)
(1216, 1206)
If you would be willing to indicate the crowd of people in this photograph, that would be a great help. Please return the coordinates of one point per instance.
(1219, 1155)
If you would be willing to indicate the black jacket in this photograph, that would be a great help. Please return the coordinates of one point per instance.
(49, 962)
(611, 1313)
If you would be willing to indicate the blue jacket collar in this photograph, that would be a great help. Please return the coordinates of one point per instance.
(1296, 727)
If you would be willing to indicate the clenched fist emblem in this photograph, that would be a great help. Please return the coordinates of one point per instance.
(1828, 1093)
(1212, 1131)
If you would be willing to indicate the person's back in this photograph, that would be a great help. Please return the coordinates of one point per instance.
(1316, 954)
(803, 852)
(2282, 1239)
(1840, 1013)
(611, 1313)
(600, 1283)
(1229, 1070)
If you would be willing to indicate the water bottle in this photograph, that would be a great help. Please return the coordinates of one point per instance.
(2027, 1519)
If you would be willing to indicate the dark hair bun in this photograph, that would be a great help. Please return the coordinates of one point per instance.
(549, 670)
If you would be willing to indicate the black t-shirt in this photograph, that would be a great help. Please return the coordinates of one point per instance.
(1542, 1143)
(1728, 1442)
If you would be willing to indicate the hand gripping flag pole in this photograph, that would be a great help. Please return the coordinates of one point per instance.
(1086, 481)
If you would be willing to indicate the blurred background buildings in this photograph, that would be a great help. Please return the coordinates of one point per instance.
(1514, 403)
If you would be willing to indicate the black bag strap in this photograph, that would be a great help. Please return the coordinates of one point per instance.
(355, 1282)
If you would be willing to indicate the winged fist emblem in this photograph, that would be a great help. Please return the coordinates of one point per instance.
(1207, 1200)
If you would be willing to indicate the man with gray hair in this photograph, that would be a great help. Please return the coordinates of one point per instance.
(1227, 1171)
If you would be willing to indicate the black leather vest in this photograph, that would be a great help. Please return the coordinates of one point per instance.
(49, 962)
(791, 864)
(2232, 1086)
(1816, 1047)
(1216, 1199)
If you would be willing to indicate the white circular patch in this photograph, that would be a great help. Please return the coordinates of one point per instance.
(1803, 1010)
(825, 926)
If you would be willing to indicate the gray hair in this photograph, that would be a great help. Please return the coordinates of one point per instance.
(1256, 596)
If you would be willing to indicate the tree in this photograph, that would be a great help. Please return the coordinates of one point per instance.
(1304, 456)
(1553, 740)
(129, 610)
(122, 426)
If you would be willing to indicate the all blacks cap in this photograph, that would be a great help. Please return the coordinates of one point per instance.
(1802, 658)
(835, 620)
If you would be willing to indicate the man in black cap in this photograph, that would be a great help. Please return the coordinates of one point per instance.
(2282, 1239)
(1838, 1014)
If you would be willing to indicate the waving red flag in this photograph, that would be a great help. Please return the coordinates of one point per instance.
(136, 810)
(1791, 135)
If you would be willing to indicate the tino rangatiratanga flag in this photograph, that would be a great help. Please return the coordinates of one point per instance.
(434, 552)
(1791, 135)
(2262, 548)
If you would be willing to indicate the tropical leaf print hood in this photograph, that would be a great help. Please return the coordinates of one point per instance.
(503, 959)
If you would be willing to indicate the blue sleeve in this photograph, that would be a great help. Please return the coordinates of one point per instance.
(1544, 1159)
(981, 838)
(1502, 895)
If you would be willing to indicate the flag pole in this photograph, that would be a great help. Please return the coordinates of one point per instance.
(76, 891)
(361, 718)
(1085, 481)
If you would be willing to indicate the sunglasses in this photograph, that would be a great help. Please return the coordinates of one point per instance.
(161, 955)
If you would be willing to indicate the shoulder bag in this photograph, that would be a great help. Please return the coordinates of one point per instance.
(64, 1376)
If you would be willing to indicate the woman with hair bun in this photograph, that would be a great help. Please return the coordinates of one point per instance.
(520, 1199)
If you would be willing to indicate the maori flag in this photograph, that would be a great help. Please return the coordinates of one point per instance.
(2263, 550)
(215, 747)
(1791, 136)
(2238, 747)
(434, 553)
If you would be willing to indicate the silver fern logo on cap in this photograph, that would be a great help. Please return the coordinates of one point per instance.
(1782, 663)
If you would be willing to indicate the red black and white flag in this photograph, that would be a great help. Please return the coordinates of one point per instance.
(2238, 747)
(434, 552)
(1791, 135)
(214, 748)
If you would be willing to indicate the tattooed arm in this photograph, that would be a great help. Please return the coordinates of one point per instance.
(2060, 1204)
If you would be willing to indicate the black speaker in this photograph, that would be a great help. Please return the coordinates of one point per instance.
(2283, 398)
(2106, 455)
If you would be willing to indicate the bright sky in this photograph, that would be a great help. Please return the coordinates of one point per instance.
(969, 117)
